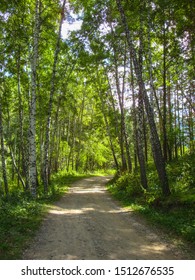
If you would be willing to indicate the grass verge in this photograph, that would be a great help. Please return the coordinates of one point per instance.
(20, 215)
(175, 215)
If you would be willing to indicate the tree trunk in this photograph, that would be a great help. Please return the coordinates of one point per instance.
(135, 138)
(140, 117)
(122, 117)
(17, 169)
(156, 146)
(108, 130)
(4, 171)
(32, 126)
(52, 91)
(21, 129)
(140, 145)
(164, 123)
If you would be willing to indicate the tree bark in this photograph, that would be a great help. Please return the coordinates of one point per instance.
(52, 91)
(24, 164)
(140, 117)
(164, 123)
(156, 146)
(4, 171)
(135, 137)
(32, 126)
(108, 127)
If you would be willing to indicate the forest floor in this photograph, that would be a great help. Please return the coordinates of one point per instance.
(88, 224)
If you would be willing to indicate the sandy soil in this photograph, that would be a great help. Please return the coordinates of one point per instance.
(87, 224)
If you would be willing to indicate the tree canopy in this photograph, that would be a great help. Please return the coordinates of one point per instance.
(116, 94)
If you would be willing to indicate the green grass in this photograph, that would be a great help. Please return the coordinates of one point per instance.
(20, 215)
(19, 219)
(176, 218)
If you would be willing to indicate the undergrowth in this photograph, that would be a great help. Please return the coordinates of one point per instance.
(20, 215)
(176, 213)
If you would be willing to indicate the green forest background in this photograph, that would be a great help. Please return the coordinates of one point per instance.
(114, 97)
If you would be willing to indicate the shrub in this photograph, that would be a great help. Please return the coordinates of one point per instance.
(182, 174)
(130, 185)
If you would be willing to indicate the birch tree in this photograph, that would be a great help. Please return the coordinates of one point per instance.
(50, 105)
(32, 125)
(156, 145)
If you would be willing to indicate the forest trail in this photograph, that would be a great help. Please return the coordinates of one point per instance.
(86, 223)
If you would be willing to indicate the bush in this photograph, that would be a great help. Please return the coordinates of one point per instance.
(129, 185)
(182, 174)
(19, 218)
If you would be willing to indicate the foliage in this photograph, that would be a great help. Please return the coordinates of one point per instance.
(176, 213)
(128, 186)
(90, 98)
(19, 218)
(182, 173)
(21, 215)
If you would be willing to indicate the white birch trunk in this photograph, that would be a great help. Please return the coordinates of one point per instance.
(155, 142)
(52, 91)
(32, 125)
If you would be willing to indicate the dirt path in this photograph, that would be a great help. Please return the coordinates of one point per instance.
(88, 224)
